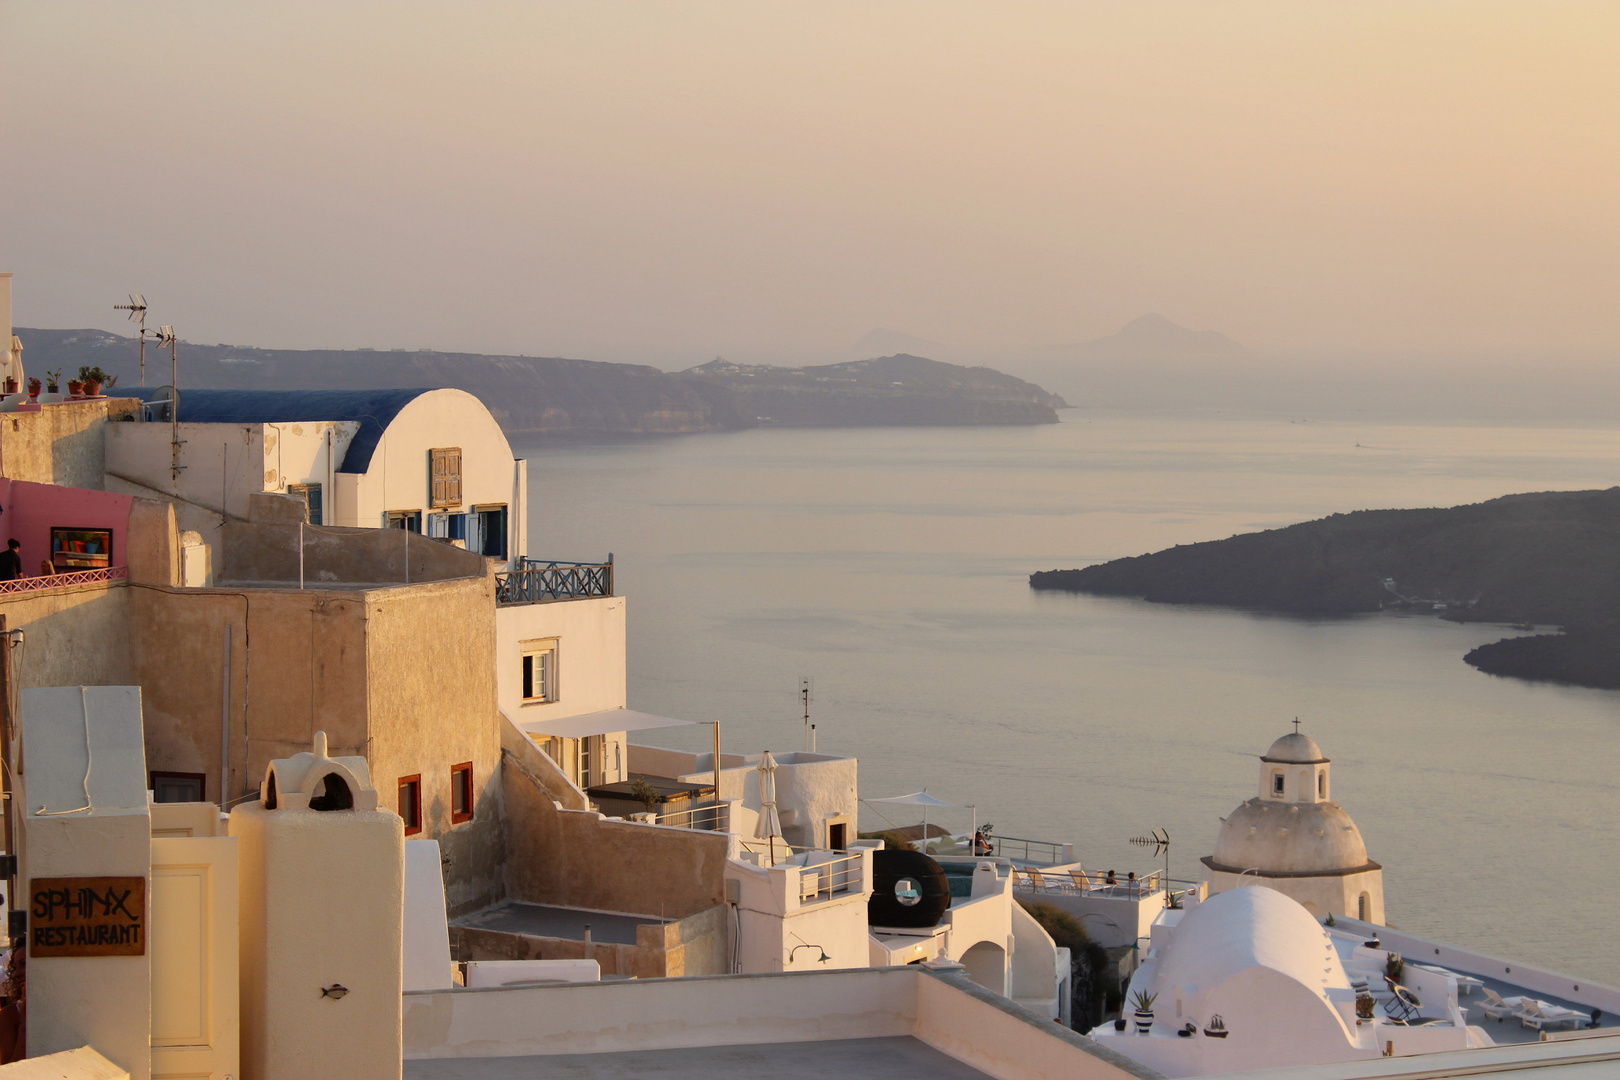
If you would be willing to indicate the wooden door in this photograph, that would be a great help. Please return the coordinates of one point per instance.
(195, 992)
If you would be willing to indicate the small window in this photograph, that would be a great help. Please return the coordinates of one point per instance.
(1321, 785)
(311, 494)
(1277, 783)
(590, 754)
(1361, 907)
(409, 520)
(179, 787)
(540, 671)
(410, 803)
(461, 793)
(838, 836)
(444, 477)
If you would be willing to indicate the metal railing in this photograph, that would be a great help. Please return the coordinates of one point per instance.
(1037, 851)
(835, 876)
(535, 582)
(1085, 883)
(59, 581)
(703, 818)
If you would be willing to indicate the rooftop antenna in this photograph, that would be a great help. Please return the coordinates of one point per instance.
(806, 688)
(1159, 841)
(137, 313)
(165, 336)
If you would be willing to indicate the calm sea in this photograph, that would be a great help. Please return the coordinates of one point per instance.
(890, 566)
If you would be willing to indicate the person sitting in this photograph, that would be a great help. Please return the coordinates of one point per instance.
(1111, 880)
(981, 844)
(11, 561)
(1130, 882)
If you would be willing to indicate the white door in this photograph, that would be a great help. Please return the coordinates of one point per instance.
(193, 945)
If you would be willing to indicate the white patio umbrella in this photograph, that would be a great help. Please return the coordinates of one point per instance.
(770, 823)
(924, 800)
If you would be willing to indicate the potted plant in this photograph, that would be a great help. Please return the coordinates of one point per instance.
(1216, 1028)
(1364, 1009)
(93, 379)
(75, 388)
(33, 386)
(645, 794)
(1394, 968)
(1142, 1003)
(11, 385)
(51, 380)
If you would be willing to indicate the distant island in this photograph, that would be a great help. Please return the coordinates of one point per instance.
(1547, 558)
(899, 390)
(560, 397)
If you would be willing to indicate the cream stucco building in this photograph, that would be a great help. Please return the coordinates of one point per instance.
(1293, 838)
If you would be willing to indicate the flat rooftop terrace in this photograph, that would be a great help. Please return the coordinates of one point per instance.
(898, 1057)
(543, 920)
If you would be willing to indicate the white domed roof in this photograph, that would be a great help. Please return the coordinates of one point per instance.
(1240, 929)
(1295, 748)
(1290, 838)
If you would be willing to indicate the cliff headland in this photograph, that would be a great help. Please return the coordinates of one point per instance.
(584, 399)
(1548, 558)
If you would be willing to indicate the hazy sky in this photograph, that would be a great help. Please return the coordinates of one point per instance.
(668, 182)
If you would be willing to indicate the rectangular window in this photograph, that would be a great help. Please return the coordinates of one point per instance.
(589, 755)
(461, 793)
(410, 803)
(311, 494)
(80, 549)
(179, 786)
(540, 671)
(444, 477)
(1276, 783)
(409, 520)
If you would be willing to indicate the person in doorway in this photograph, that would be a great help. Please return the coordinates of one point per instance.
(11, 561)
(14, 1017)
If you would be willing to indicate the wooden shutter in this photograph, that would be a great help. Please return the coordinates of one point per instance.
(444, 477)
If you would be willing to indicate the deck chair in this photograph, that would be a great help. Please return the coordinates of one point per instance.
(1540, 1015)
(1402, 1007)
(1498, 1006)
(1037, 880)
(1081, 881)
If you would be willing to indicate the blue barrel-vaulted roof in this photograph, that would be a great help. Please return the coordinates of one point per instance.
(373, 409)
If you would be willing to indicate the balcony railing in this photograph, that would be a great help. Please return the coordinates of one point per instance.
(61, 581)
(535, 582)
(702, 818)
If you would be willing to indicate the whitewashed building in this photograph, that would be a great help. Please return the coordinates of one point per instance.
(431, 461)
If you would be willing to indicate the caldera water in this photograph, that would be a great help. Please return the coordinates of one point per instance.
(890, 566)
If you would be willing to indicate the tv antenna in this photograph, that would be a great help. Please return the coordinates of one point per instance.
(165, 336)
(1159, 841)
(806, 693)
(137, 313)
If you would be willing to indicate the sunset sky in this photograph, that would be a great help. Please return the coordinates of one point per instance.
(663, 183)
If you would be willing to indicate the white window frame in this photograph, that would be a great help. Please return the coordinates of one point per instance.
(545, 651)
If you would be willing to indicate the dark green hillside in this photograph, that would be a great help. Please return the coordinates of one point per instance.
(1549, 557)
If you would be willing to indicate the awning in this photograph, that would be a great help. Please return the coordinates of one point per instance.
(918, 798)
(600, 723)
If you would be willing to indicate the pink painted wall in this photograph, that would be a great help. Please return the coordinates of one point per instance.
(31, 510)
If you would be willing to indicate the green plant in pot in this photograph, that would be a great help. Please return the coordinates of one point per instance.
(1364, 1007)
(645, 794)
(1394, 968)
(33, 386)
(1142, 1004)
(93, 379)
(53, 381)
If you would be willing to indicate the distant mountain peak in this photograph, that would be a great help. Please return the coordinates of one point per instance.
(886, 342)
(1153, 334)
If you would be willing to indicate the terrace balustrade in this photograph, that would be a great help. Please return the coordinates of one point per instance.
(536, 582)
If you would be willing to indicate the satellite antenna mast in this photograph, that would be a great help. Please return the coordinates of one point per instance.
(1159, 841)
(165, 336)
(805, 688)
(137, 312)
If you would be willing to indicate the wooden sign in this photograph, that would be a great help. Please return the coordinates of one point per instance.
(89, 916)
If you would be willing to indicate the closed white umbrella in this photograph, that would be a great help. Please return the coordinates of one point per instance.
(770, 822)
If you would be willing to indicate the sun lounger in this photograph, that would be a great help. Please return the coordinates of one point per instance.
(1466, 984)
(1081, 881)
(1498, 1006)
(1541, 1015)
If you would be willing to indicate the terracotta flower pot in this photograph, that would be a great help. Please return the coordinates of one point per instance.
(92, 389)
(75, 387)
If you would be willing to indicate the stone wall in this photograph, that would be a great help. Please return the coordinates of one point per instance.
(60, 443)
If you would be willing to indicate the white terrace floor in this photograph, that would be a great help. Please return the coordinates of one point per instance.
(898, 1057)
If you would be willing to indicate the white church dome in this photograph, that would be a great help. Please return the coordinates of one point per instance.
(1295, 748)
(1290, 838)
